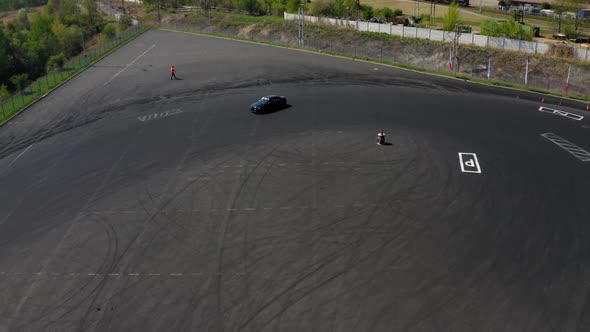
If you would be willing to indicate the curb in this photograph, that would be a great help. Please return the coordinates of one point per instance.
(68, 79)
(511, 91)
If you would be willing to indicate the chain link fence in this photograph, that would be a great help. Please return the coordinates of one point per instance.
(544, 74)
(499, 43)
(43, 85)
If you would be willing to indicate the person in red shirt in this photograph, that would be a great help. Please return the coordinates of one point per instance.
(172, 73)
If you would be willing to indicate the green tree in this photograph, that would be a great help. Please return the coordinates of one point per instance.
(4, 93)
(253, 7)
(293, 6)
(367, 12)
(22, 18)
(20, 81)
(6, 58)
(452, 17)
(110, 31)
(323, 8)
(56, 61)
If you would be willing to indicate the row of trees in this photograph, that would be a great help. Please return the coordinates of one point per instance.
(30, 46)
(18, 4)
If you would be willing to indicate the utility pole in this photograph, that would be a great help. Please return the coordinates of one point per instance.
(158, 11)
(432, 11)
(456, 49)
(301, 26)
(81, 30)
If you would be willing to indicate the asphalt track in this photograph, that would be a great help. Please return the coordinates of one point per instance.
(130, 202)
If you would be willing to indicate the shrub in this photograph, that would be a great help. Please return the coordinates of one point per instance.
(56, 61)
(293, 6)
(323, 8)
(452, 17)
(20, 81)
(110, 31)
(4, 93)
(367, 12)
(384, 12)
(510, 29)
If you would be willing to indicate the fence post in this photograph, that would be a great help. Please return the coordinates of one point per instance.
(47, 81)
(379, 27)
(586, 54)
(367, 26)
(3, 111)
(536, 45)
(503, 43)
(472, 41)
(416, 28)
(391, 30)
(403, 30)
(429, 33)
(488, 41)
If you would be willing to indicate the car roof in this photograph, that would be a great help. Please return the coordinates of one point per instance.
(271, 96)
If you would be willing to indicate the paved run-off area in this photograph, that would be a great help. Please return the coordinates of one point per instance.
(130, 202)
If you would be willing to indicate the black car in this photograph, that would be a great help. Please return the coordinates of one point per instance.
(269, 104)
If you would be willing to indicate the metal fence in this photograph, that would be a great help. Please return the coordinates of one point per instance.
(430, 57)
(437, 35)
(42, 85)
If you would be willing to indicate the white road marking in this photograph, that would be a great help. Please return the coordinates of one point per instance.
(154, 116)
(15, 159)
(127, 66)
(562, 113)
(469, 162)
(568, 146)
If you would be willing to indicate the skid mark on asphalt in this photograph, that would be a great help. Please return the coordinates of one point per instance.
(568, 146)
(355, 205)
(129, 64)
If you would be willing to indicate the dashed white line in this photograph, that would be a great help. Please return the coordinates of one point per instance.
(127, 66)
(15, 159)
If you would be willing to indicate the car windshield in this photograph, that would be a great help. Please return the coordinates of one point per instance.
(264, 99)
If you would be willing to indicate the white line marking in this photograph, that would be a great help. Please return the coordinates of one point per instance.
(249, 209)
(471, 162)
(15, 159)
(568, 146)
(562, 113)
(133, 274)
(127, 66)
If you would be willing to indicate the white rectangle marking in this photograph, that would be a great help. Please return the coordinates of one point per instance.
(568, 146)
(469, 162)
(562, 113)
